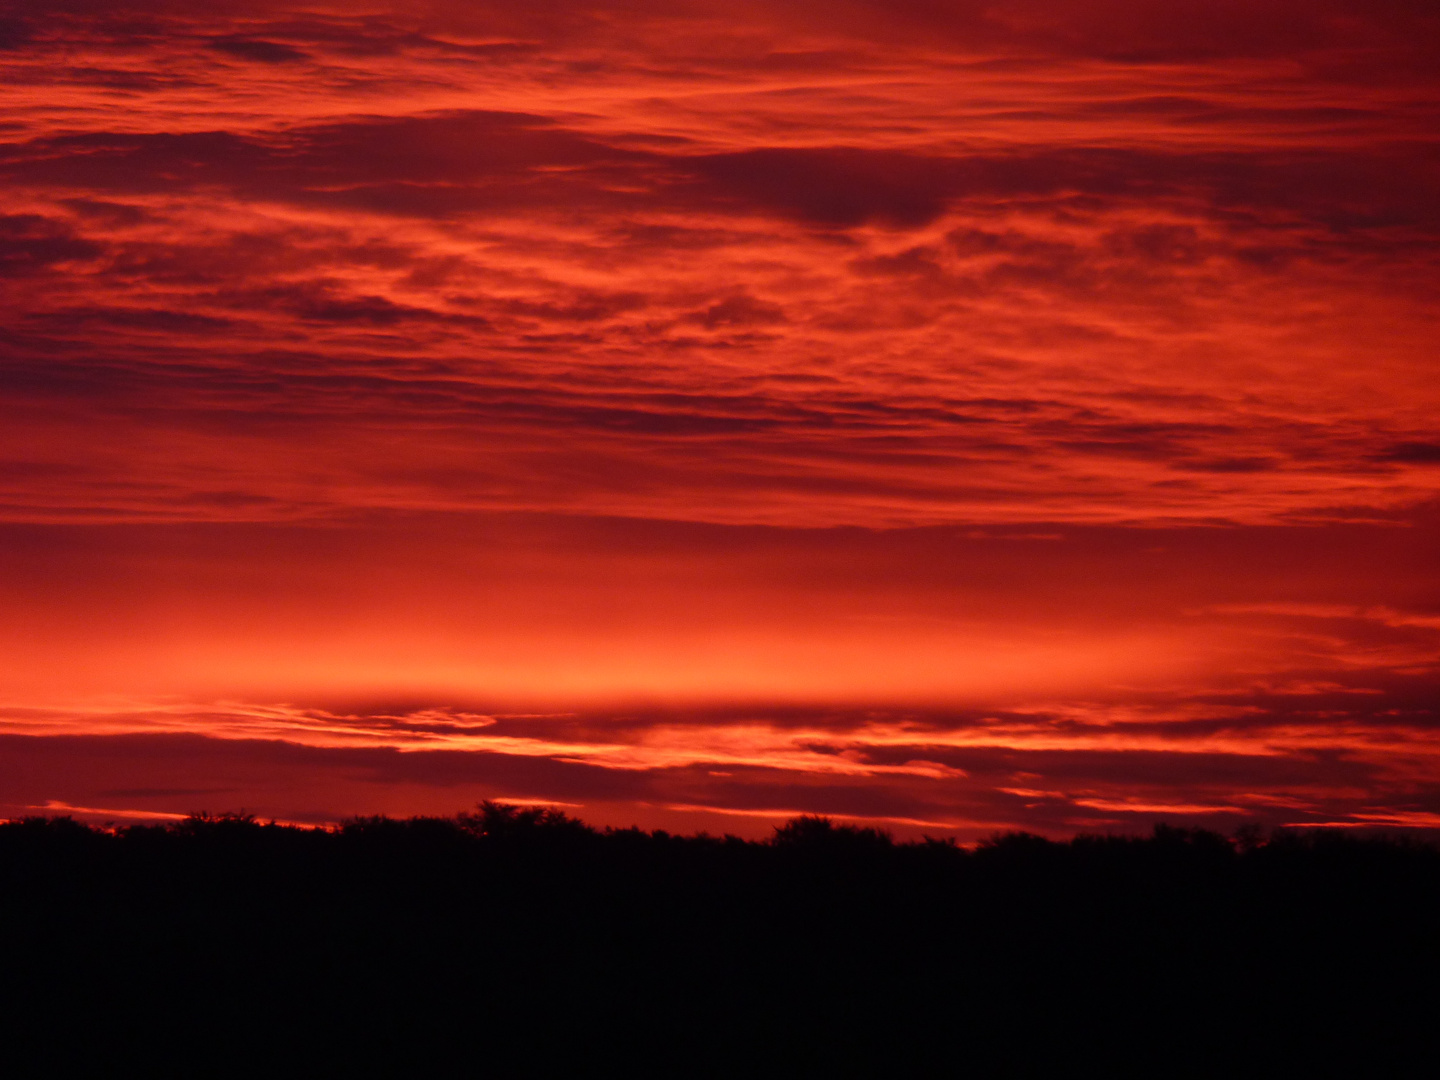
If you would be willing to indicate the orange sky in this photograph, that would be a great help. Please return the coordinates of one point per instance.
(956, 416)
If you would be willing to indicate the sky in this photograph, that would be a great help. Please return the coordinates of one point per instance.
(944, 416)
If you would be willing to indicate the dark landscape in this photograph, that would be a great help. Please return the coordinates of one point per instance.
(519, 940)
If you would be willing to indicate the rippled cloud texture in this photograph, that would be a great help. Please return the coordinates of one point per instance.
(953, 415)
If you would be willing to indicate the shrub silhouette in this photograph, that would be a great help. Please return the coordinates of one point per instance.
(812, 833)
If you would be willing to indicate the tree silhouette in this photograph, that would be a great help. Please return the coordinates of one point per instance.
(528, 942)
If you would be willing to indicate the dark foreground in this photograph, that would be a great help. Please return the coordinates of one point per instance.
(522, 942)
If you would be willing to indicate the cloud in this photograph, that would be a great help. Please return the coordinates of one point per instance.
(1412, 453)
(1014, 774)
(1022, 411)
(257, 49)
(32, 244)
(15, 33)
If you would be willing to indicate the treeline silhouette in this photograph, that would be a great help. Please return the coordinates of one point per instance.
(519, 941)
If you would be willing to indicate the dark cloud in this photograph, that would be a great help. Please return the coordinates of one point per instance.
(447, 148)
(14, 33)
(118, 214)
(265, 52)
(1232, 465)
(837, 187)
(325, 302)
(140, 164)
(739, 311)
(424, 166)
(1126, 31)
(31, 244)
(156, 319)
(479, 162)
(1412, 453)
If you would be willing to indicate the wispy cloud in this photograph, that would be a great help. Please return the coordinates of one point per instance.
(768, 270)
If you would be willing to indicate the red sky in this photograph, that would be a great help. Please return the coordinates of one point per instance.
(953, 416)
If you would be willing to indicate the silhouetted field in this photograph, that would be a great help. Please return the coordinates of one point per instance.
(514, 942)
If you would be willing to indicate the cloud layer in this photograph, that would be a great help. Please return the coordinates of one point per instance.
(942, 678)
(1051, 369)
(885, 268)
